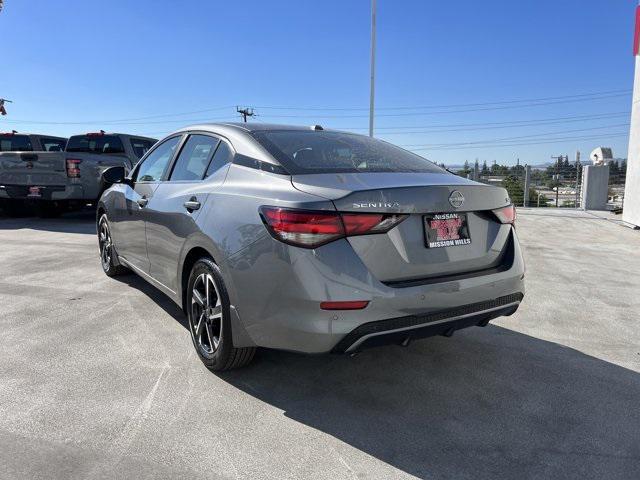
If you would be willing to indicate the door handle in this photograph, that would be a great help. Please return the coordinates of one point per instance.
(192, 204)
(142, 202)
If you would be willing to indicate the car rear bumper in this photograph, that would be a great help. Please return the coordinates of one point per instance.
(405, 329)
(47, 192)
(277, 289)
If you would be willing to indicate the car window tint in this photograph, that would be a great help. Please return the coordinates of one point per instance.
(194, 158)
(154, 165)
(140, 146)
(52, 144)
(95, 143)
(304, 151)
(221, 157)
(15, 143)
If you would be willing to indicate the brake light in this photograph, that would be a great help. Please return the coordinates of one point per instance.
(311, 229)
(506, 214)
(73, 167)
(95, 134)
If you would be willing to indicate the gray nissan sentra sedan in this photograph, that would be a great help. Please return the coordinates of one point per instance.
(309, 240)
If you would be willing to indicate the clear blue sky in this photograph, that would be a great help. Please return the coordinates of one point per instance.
(94, 61)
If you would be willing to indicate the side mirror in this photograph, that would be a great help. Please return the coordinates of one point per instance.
(115, 175)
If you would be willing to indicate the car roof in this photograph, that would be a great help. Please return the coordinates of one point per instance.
(250, 127)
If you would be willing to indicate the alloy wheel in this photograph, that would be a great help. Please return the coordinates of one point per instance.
(206, 314)
(104, 238)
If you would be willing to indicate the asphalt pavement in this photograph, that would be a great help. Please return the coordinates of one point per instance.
(98, 377)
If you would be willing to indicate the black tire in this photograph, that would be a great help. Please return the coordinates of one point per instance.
(15, 208)
(48, 210)
(209, 319)
(108, 254)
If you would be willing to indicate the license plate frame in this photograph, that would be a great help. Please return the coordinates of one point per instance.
(443, 230)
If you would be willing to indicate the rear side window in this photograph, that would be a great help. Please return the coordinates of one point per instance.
(53, 144)
(302, 151)
(95, 144)
(153, 166)
(141, 146)
(15, 143)
(221, 157)
(194, 158)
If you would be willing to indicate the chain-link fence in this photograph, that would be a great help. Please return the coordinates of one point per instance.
(557, 185)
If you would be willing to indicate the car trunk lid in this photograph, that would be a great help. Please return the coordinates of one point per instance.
(403, 254)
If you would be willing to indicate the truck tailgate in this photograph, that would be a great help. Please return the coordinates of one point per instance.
(32, 168)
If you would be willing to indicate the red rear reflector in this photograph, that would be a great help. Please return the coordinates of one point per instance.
(352, 305)
(506, 214)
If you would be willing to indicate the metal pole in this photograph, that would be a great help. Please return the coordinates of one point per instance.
(527, 184)
(373, 64)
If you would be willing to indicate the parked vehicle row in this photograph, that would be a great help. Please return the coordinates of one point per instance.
(55, 174)
(309, 240)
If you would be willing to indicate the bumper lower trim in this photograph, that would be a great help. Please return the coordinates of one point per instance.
(397, 330)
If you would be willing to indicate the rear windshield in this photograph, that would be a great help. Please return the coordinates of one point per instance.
(95, 144)
(52, 144)
(141, 146)
(15, 143)
(313, 151)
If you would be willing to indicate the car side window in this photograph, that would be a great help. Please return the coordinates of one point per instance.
(194, 158)
(221, 157)
(153, 166)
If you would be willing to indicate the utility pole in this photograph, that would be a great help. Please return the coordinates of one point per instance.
(373, 65)
(245, 112)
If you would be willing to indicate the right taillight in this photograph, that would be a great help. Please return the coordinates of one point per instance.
(311, 229)
(73, 167)
(506, 214)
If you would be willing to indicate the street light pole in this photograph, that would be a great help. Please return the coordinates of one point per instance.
(373, 65)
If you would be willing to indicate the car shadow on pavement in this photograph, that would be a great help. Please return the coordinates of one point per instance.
(159, 298)
(74, 222)
(488, 403)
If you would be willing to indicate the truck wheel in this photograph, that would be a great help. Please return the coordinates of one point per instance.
(48, 210)
(15, 208)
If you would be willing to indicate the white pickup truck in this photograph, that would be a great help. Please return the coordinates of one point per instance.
(35, 173)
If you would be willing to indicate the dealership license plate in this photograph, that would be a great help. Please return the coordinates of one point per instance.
(34, 192)
(446, 230)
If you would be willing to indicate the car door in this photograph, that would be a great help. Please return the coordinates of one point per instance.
(200, 166)
(130, 215)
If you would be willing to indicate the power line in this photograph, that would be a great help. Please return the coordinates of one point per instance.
(445, 112)
(559, 140)
(503, 125)
(454, 105)
(499, 105)
(506, 139)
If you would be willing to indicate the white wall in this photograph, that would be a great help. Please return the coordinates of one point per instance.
(631, 212)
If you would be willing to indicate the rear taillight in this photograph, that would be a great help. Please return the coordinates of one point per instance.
(506, 214)
(310, 229)
(73, 167)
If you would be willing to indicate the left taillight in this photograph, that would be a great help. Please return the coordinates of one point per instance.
(73, 167)
(311, 229)
(506, 214)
